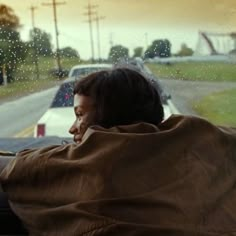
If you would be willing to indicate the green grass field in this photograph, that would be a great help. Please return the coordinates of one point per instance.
(15, 90)
(27, 70)
(25, 77)
(201, 71)
(220, 108)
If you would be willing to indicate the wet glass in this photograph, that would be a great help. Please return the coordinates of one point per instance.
(188, 47)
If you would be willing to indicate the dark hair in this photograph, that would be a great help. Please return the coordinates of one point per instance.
(122, 96)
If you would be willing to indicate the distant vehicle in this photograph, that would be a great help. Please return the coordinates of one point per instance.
(57, 120)
(138, 64)
(83, 70)
(61, 73)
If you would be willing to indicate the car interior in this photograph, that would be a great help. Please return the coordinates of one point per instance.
(9, 222)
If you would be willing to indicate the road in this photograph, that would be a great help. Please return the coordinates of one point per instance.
(18, 117)
(23, 113)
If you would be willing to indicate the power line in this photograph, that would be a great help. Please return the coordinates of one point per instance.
(54, 4)
(33, 8)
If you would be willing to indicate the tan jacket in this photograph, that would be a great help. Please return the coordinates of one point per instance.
(175, 179)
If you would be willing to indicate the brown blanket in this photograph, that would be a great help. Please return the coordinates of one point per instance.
(175, 179)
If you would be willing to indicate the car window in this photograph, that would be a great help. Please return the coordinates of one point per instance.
(64, 96)
(84, 71)
(187, 47)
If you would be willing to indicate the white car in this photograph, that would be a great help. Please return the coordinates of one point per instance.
(79, 71)
(60, 116)
(57, 120)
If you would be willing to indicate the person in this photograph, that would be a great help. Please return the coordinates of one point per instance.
(115, 97)
(129, 172)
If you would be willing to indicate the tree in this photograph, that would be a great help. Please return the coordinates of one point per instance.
(138, 52)
(12, 49)
(8, 19)
(41, 42)
(159, 48)
(184, 51)
(118, 53)
(69, 52)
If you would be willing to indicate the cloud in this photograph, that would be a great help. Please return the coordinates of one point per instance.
(173, 13)
(151, 13)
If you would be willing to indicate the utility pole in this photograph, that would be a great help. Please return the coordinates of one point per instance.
(97, 19)
(111, 40)
(54, 5)
(32, 8)
(4, 75)
(90, 13)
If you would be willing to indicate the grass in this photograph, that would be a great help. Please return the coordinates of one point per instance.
(201, 71)
(25, 77)
(219, 108)
(18, 89)
(27, 70)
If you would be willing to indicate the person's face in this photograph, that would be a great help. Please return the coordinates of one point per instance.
(84, 111)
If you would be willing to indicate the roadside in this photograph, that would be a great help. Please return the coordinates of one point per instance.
(15, 91)
(185, 93)
(219, 107)
(205, 89)
(25, 79)
(196, 71)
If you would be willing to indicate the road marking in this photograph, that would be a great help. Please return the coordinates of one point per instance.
(172, 107)
(28, 132)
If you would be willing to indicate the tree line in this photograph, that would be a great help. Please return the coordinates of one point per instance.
(158, 48)
(13, 51)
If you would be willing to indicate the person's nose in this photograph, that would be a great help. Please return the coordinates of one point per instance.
(73, 129)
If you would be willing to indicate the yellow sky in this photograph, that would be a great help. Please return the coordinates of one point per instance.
(129, 20)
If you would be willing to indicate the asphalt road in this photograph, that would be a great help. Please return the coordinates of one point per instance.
(22, 113)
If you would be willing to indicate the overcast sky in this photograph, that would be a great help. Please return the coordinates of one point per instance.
(127, 21)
